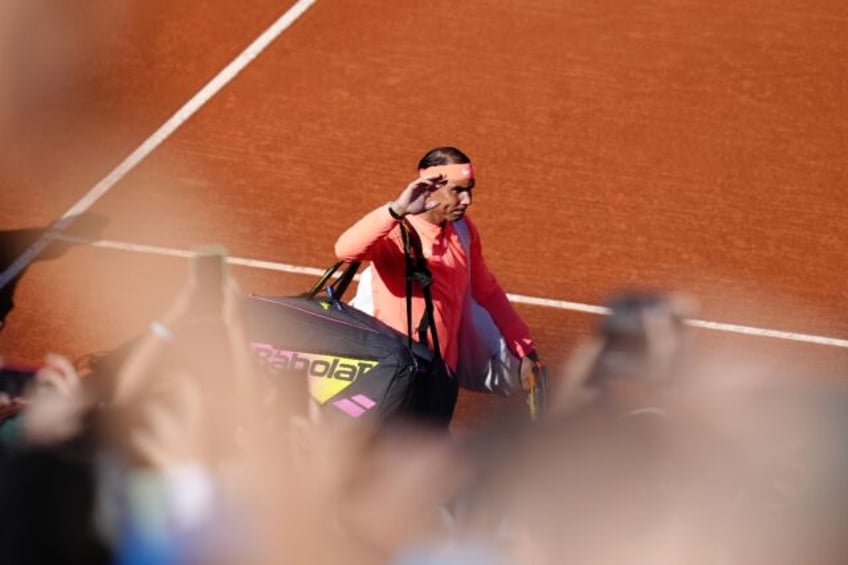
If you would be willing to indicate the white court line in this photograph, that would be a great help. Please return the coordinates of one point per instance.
(151, 143)
(704, 324)
(184, 253)
(516, 298)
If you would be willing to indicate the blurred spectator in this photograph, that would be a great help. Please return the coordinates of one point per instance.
(640, 347)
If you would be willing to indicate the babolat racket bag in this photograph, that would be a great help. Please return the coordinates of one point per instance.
(356, 365)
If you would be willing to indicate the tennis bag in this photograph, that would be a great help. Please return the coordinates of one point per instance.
(356, 365)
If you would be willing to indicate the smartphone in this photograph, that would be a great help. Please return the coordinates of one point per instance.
(209, 270)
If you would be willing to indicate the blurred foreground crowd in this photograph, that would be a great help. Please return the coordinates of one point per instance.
(177, 449)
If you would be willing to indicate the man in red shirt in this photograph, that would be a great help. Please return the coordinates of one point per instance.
(432, 203)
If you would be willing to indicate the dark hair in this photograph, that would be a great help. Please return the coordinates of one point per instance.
(443, 156)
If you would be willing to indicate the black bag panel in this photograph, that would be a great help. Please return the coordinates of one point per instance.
(356, 364)
(433, 397)
(300, 320)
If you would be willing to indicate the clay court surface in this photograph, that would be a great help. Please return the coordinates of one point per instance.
(687, 144)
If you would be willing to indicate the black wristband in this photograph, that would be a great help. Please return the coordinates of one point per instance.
(394, 214)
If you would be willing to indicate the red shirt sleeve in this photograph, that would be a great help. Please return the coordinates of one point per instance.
(366, 239)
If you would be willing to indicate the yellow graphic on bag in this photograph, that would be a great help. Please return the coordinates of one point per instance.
(328, 374)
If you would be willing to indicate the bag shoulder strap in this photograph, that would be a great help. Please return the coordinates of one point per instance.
(417, 270)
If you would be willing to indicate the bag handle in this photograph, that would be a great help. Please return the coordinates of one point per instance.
(338, 288)
(416, 270)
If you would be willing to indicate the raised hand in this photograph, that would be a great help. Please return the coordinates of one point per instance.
(414, 198)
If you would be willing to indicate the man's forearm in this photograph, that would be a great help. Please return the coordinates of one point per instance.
(358, 240)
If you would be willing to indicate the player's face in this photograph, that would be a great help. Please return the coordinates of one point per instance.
(453, 200)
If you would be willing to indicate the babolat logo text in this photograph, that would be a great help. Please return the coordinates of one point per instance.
(313, 364)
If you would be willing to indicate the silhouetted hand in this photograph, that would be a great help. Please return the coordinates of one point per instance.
(56, 403)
